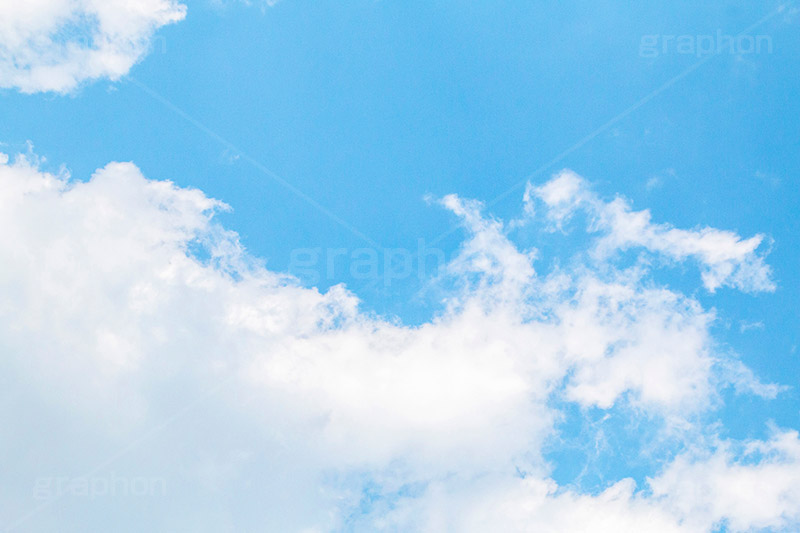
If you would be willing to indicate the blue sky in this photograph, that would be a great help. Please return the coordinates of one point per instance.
(376, 104)
(333, 130)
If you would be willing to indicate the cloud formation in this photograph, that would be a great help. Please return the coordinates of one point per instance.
(55, 45)
(266, 404)
(751, 488)
(725, 258)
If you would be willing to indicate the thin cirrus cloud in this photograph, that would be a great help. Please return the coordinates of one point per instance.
(112, 323)
(56, 45)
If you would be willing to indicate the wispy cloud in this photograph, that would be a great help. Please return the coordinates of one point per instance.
(725, 258)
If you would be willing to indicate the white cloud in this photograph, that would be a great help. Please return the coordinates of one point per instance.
(744, 325)
(110, 325)
(726, 258)
(55, 45)
(523, 505)
(654, 182)
(745, 486)
(748, 489)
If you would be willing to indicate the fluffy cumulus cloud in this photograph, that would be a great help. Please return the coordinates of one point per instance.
(55, 45)
(141, 343)
(752, 488)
